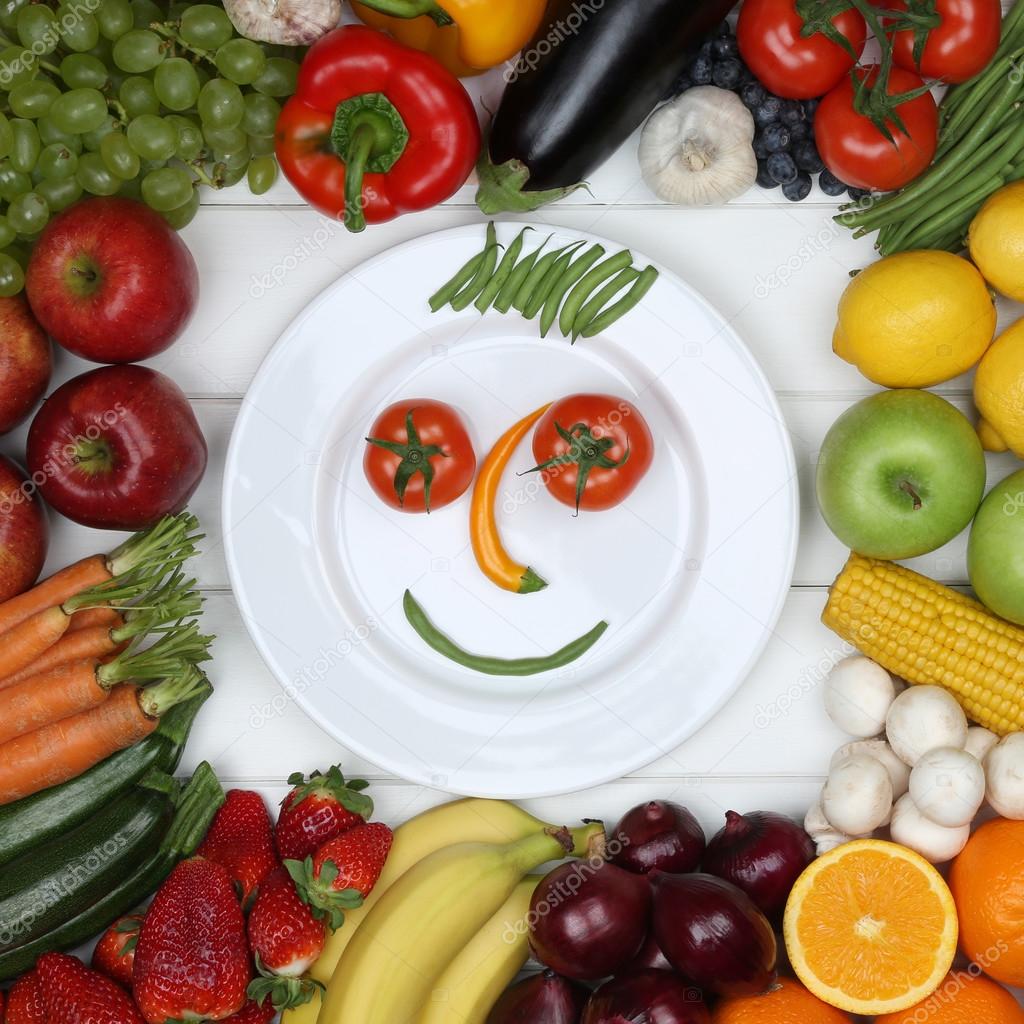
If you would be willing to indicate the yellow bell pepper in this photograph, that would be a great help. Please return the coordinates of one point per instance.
(466, 36)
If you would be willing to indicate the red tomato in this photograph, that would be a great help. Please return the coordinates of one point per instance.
(960, 46)
(788, 63)
(854, 149)
(419, 456)
(592, 450)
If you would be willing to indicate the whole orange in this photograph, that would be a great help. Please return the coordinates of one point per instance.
(962, 998)
(789, 1003)
(987, 882)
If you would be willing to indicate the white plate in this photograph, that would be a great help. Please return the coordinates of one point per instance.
(691, 571)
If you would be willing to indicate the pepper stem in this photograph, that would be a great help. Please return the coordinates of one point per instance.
(411, 9)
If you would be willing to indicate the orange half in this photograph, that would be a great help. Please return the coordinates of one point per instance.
(871, 927)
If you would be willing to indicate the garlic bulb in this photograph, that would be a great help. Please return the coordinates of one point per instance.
(696, 150)
(288, 22)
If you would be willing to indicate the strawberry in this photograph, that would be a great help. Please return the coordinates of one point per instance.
(241, 839)
(74, 994)
(317, 811)
(25, 1001)
(115, 952)
(342, 872)
(254, 1013)
(192, 958)
(286, 940)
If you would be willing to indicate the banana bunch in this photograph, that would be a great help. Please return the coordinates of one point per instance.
(444, 930)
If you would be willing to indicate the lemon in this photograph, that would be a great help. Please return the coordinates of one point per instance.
(996, 240)
(915, 319)
(999, 392)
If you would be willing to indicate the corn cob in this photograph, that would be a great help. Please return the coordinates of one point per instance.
(925, 632)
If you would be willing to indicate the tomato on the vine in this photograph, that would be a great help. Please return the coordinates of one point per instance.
(857, 151)
(959, 46)
(592, 450)
(419, 456)
(786, 44)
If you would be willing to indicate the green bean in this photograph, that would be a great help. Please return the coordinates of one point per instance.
(546, 279)
(970, 113)
(572, 273)
(443, 644)
(537, 275)
(586, 285)
(509, 290)
(505, 267)
(447, 292)
(483, 274)
(604, 320)
(597, 302)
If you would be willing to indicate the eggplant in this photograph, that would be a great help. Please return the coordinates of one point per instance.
(582, 85)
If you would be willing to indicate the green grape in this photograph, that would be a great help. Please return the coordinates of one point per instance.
(120, 159)
(176, 10)
(7, 233)
(278, 77)
(17, 65)
(33, 99)
(28, 213)
(6, 136)
(84, 71)
(241, 61)
(93, 139)
(25, 151)
(12, 277)
(138, 50)
(176, 84)
(93, 176)
(114, 18)
(138, 96)
(261, 145)
(261, 114)
(79, 30)
(55, 162)
(220, 104)
(152, 137)
(206, 26)
(182, 215)
(13, 183)
(104, 51)
(167, 188)
(190, 138)
(59, 193)
(80, 110)
(36, 26)
(203, 75)
(229, 176)
(262, 174)
(224, 139)
(234, 158)
(145, 12)
(9, 13)
(49, 132)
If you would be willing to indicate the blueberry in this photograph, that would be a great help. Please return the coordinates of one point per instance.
(726, 73)
(706, 49)
(753, 95)
(724, 29)
(700, 71)
(760, 149)
(768, 111)
(830, 184)
(805, 153)
(801, 131)
(746, 75)
(764, 179)
(791, 113)
(858, 193)
(810, 107)
(776, 137)
(781, 167)
(725, 46)
(797, 189)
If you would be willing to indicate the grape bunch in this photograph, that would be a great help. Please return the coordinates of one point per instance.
(130, 98)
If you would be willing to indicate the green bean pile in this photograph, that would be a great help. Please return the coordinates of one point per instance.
(579, 290)
(981, 148)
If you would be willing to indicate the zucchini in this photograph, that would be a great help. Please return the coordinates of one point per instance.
(31, 822)
(199, 801)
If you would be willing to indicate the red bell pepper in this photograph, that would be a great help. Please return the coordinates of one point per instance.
(375, 129)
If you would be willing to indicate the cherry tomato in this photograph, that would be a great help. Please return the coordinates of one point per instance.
(419, 456)
(960, 46)
(592, 450)
(856, 151)
(790, 64)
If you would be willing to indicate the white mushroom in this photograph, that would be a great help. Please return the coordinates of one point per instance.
(923, 718)
(858, 693)
(821, 831)
(948, 786)
(912, 829)
(857, 797)
(1004, 770)
(696, 149)
(899, 772)
(980, 741)
(289, 22)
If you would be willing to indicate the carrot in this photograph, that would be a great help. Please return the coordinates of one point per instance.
(55, 590)
(76, 645)
(50, 697)
(89, 618)
(24, 643)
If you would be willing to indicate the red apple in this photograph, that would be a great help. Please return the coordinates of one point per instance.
(111, 281)
(24, 535)
(117, 448)
(25, 362)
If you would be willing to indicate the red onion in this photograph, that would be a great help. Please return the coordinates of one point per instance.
(646, 997)
(659, 835)
(713, 933)
(763, 854)
(543, 999)
(589, 918)
(650, 955)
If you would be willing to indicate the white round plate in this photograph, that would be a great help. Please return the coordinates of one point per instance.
(690, 572)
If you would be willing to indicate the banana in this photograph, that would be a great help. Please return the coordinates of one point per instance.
(472, 982)
(469, 820)
(425, 918)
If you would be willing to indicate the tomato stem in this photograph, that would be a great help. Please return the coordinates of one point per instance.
(415, 458)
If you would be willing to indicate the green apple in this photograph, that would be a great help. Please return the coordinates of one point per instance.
(900, 474)
(995, 552)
